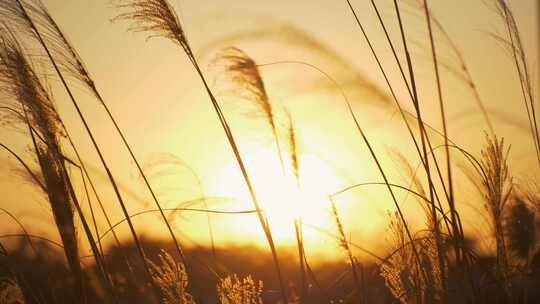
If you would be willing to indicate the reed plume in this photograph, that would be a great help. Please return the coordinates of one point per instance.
(292, 139)
(233, 290)
(433, 244)
(158, 18)
(398, 274)
(244, 73)
(155, 17)
(401, 273)
(172, 280)
(497, 184)
(19, 82)
(494, 182)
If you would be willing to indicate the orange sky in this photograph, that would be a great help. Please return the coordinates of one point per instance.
(158, 100)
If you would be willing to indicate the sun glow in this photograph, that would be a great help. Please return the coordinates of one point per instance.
(282, 198)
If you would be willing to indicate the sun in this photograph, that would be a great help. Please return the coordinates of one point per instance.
(280, 195)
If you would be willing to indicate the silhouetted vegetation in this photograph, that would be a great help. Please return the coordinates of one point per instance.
(438, 262)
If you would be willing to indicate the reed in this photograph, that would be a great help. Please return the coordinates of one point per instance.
(434, 246)
(425, 140)
(492, 178)
(25, 21)
(172, 280)
(235, 290)
(434, 264)
(426, 143)
(406, 283)
(244, 73)
(76, 68)
(158, 18)
(20, 82)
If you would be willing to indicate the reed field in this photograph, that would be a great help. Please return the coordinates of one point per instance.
(249, 152)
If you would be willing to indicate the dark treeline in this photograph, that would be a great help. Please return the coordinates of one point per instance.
(44, 277)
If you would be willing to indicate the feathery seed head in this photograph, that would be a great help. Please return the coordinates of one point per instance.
(233, 290)
(157, 17)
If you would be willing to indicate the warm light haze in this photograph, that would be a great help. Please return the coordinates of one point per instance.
(242, 152)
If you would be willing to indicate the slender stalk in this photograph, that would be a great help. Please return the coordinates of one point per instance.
(413, 94)
(372, 152)
(525, 83)
(238, 157)
(311, 274)
(443, 119)
(436, 228)
(457, 229)
(401, 111)
(387, 182)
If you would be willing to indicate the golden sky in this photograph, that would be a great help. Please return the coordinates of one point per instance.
(160, 104)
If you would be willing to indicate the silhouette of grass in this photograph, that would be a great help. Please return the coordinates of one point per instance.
(436, 263)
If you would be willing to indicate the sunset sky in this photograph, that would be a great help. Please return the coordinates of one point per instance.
(160, 104)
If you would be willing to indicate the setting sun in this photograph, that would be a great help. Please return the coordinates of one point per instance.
(281, 196)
